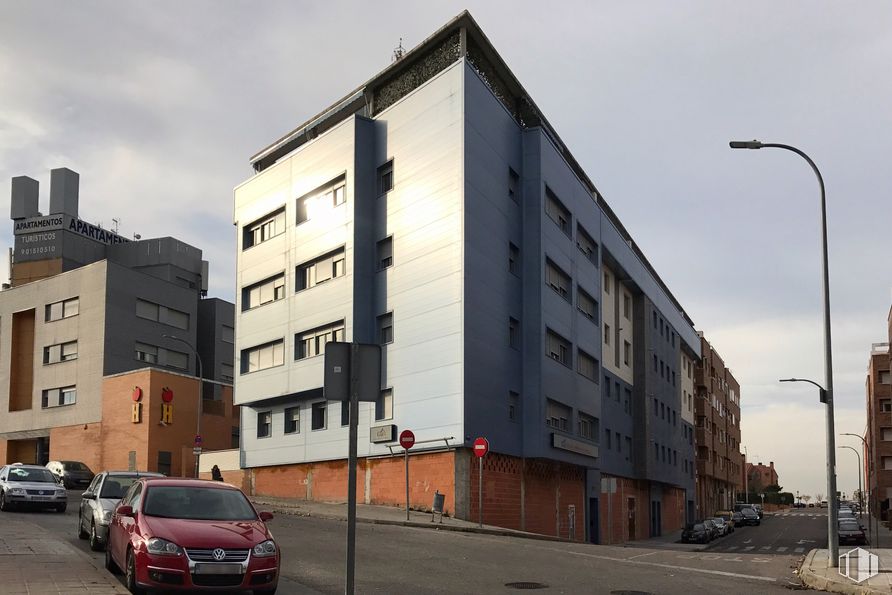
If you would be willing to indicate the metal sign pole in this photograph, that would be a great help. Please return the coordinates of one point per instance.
(406, 456)
(480, 486)
(351, 470)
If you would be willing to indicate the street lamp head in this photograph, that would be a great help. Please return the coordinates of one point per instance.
(788, 380)
(745, 144)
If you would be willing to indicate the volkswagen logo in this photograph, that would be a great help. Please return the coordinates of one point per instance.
(219, 554)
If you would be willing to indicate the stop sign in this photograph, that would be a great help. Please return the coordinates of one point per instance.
(407, 439)
(481, 446)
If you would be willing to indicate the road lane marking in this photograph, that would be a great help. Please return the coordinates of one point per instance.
(782, 549)
(673, 567)
(642, 555)
(732, 548)
(799, 550)
(765, 548)
(748, 548)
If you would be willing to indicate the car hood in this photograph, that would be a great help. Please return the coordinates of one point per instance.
(208, 534)
(109, 504)
(34, 485)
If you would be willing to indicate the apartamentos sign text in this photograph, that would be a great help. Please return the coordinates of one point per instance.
(69, 223)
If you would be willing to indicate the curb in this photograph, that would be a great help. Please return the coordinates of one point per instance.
(819, 582)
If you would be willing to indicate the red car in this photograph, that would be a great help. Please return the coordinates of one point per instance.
(191, 534)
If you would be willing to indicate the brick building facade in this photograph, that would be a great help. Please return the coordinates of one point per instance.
(877, 459)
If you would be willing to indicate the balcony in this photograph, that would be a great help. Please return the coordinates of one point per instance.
(879, 348)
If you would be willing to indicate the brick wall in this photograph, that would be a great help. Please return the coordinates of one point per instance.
(78, 443)
(672, 509)
(4, 459)
(240, 478)
(625, 515)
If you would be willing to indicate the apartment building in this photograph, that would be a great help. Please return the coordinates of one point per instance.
(878, 436)
(89, 370)
(759, 476)
(435, 211)
(717, 434)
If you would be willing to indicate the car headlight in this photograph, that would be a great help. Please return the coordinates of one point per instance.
(17, 491)
(156, 545)
(106, 516)
(61, 493)
(267, 548)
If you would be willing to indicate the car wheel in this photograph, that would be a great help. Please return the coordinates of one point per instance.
(265, 591)
(109, 561)
(4, 505)
(130, 578)
(81, 534)
(95, 544)
(62, 508)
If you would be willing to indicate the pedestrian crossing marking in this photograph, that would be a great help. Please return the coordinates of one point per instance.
(732, 548)
(782, 549)
(765, 548)
(799, 550)
(748, 548)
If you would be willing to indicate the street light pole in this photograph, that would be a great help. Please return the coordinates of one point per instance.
(860, 493)
(200, 389)
(832, 537)
(871, 500)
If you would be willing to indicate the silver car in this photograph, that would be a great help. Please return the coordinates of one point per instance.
(31, 486)
(99, 502)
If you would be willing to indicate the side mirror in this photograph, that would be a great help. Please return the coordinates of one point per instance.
(88, 496)
(266, 516)
(125, 511)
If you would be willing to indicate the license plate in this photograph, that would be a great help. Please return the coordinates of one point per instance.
(218, 569)
(41, 498)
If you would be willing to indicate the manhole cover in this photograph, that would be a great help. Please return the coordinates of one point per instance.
(526, 585)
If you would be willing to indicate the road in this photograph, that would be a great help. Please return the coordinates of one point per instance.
(395, 559)
(791, 533)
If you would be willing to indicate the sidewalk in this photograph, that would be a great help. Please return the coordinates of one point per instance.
(32, 560)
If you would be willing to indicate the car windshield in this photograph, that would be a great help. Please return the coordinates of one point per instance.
(74, 466)
(747, 511)
(198, 503)
(850, 526)
(718, 521)
(36, 475)
(114, 486)
(699, 527)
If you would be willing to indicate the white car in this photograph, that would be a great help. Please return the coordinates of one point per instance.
(31, 486)
(721, 525)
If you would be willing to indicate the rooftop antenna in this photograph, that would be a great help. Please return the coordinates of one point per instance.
(116, 222)
(136, 236)
(398, 52)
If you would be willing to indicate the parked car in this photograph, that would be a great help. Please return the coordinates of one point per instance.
(758, 509)
(850, 531)
(98, 504)
(750, 516)
(823, 504)
(728, 516)
(696, 533)
(711, 528)
(722, 528)
(73, 474)
(737, 519)
(30, 486)
(811, 504)
(183, 534)
(798, 504)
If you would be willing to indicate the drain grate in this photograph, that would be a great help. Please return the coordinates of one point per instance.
(526, 585)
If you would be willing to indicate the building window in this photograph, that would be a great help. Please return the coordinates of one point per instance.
(673, 377)
(263, 357)
(627, 353)
(263, 229)
(146, 353)
(608, 438)
(513, 405)
(617, 391)
(227, 334)
(327, 197)
(627, 403)
(588, 427)
(321, 269)
(385, 178)
(174, 359)
(557, 348)
(586, 245)
(557, 279)
(884, 377)
(164, 458)
(58, 397)
(233, 438)
(557, 416)
(158, 313)
(586, 365)
(656, 451)
(513, 259)
(606, 387)
(63, 309)
(627, 306)
(385, 253)
(887, 463)
(312, 342)
(513, 185)
(587, 305)
(62, 352)
(886, 433)
(556, 211)
(384, 405)
(655, 319)
(513, 333)
(628, 447)
(662, 411)
(266, 291)
(317, 421)
(227, 372)
(886, 405)
(619, 445)
(606, 334)
(345, 413)
(385, 328)
(264, 424)
(292, 420)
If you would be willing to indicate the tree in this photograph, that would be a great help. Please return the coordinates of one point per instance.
(807, 498)
(819, 497)
(773, 489)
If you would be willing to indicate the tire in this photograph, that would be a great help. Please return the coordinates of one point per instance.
(109, 562)
(81, 534)
(4, 505)
(265, 591)
(130, 575)
(95, 544)
(62, 508)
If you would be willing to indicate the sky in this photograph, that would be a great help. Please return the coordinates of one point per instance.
(160, 105)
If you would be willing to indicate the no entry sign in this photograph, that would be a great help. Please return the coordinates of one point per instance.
(481, 446)
(407, 439)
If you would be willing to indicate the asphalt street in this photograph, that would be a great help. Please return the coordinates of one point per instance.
(395, 559)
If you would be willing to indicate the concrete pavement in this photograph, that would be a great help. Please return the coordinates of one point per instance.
(33, 560)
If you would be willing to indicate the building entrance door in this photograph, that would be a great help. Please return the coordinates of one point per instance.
(631, 507)
(593, 529)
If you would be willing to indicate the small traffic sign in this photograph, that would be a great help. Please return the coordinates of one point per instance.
(197, 439)
(407, 439)
(196, 450)
(481, 447)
